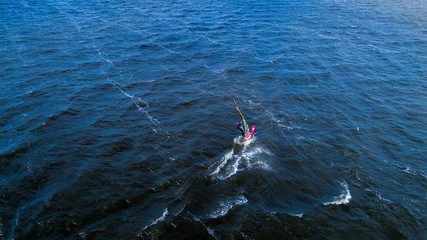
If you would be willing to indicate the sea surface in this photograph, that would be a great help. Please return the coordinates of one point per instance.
(117, 119)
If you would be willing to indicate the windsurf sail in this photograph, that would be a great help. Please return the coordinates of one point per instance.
(245, 125)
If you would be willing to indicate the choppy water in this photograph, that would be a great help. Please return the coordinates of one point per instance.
(117, 120)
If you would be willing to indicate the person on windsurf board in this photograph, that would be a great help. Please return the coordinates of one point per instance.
(239, 128)
(243, 127)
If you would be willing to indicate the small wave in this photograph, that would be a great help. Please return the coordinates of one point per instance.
(271, 115)
(380, 198)
(297, 214)
(414, 172)
(383, 199)
(252, 103)
(161, 218)
(343, 198)
(408, 170)
(226, 206)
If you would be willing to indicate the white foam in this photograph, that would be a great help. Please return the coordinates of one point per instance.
(152, 119)
(83, 235)
(238, 140)
(161, 218)
(249, 141)
(234, 168)
(272, 116)
(249, 156)
(210, 230)
(226, 206)
(383, 199)
(411, 171)
(297, 214)
(165, 212)
(253, 103)
(244, 235)
(286, 127)
(224, 161)
(137, 104)
(407, 170)
(100, 54)
(343, 198)
(230, 163)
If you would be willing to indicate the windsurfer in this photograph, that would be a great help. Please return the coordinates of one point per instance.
(239, 128)
(243, 127)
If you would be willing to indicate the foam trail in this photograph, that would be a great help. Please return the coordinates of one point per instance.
(234, 168)
(210, 230)
(229, 164)
(137, 104)
(132, 97)
(343, 198)
(227, 157)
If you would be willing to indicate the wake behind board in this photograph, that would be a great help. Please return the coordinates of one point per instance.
(251, 133)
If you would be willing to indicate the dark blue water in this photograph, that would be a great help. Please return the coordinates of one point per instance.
(117, 120)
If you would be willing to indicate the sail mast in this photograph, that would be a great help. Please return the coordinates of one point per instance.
(245, 125)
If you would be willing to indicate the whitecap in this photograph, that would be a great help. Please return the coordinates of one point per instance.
(343, 198)
(161, 218)
(226, 206)
(297, 214)
(165, 212)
